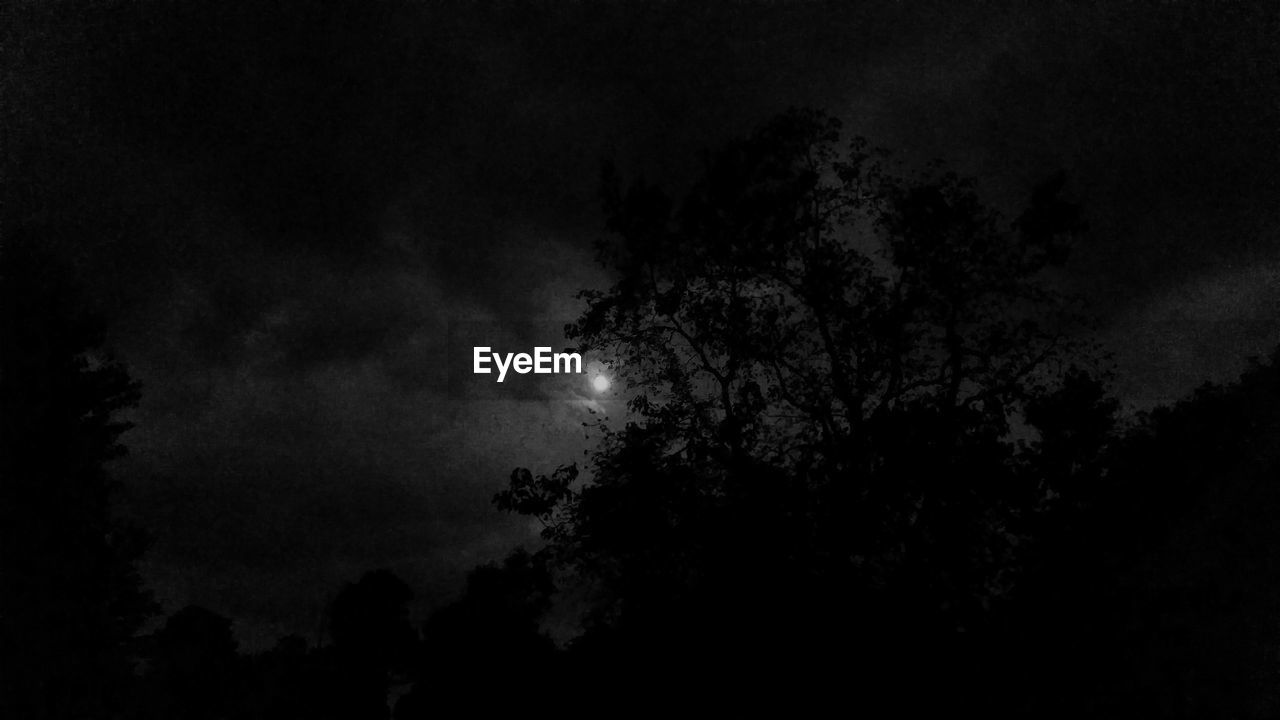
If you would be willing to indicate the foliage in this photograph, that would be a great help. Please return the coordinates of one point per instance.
(828, 364)
(71, 599)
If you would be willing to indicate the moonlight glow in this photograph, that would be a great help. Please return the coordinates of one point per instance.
(600, 383)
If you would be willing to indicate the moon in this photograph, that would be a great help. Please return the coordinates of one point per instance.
(600, 383)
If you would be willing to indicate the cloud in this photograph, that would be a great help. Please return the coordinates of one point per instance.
(1200, 331)
(283, 209)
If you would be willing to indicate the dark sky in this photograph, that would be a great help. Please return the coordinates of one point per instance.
(282, 207)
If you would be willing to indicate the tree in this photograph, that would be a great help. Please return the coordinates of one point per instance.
(491, 632)
(1189, 564)
(71, 599)
(370, 622)
(195, 671)
(373, 642)
(825, 361)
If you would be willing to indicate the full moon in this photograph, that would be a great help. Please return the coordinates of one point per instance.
(600, 383)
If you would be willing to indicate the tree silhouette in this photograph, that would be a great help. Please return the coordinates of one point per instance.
(70, 600)
(491, 632)
(1190, 570)
(194, 670)
(370, 621)
(825, 361)
(284, 681)
(372, 639)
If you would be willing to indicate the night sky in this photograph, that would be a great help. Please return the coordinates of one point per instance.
(282, 209)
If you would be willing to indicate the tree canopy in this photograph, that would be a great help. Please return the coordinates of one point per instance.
(71, 599)
(834, 371)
